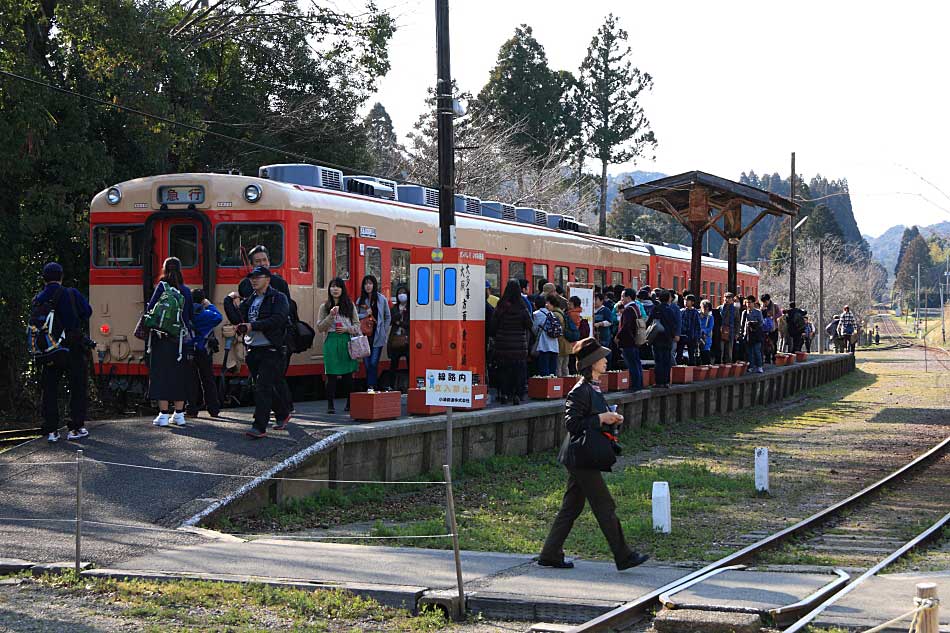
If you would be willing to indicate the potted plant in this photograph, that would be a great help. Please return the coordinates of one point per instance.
(545, 388)
(375, 405)
(681, 374)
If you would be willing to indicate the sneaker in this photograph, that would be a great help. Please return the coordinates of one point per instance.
(280, 425)
(179, 418)
(760, 370)
(77, 435)
(564, 563)
(254, 434)
(53, 437)
(161, 419)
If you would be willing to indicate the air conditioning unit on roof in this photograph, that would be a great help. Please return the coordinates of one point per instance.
(370, 186)
(467, 204)
(414, 194)
(554, 220)
(525, 214)
(582, 228)
(498, 210)
(567, 224)
(304, 174)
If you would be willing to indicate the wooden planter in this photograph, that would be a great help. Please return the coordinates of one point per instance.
(545, 388)
(713, 372)
(781, 360)
(801, 356)
(479, 397)
(649, 377)
(379, 405)
(569, 382)
(701, 372)
(617, 380)
(681, 374)
(743, 368)
(416, 404)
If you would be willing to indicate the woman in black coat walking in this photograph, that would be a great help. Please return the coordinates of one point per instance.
(511, 326)
(587, 413)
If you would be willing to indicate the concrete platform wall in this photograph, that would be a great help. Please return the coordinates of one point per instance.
(405, 448)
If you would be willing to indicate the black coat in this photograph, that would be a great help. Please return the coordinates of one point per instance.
(511, 325)
(272, 316)
(279, 284)
(582, 413)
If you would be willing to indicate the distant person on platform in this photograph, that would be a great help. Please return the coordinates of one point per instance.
(796, 326)
(71, 309)
(877, 336)
(169, 372)
(727, 333)
(848, 328)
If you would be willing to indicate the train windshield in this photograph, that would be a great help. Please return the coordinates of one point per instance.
(115, 246)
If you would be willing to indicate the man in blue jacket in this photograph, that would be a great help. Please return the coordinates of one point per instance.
(730, 321)
(205, 318)
(663, 344)
(72, 310)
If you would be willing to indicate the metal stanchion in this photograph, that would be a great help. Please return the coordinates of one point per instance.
(78, 512)
(453, 526)
(449, 441)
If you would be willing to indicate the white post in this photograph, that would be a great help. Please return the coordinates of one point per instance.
(761, 469)
(662, 519)
(78, 512)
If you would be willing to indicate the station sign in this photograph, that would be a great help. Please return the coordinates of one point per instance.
(448, 388)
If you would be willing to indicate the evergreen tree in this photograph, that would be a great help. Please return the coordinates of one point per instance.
(821, 225)
(906, 238)
(916, 253)
(384, 150)
(523, 90)
(616, 128)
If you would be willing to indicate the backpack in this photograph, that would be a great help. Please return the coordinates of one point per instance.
(551, 326)
(584, 329)
(165, 316)
(571, 333)
(45, 334)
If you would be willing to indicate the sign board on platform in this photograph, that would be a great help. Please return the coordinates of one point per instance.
(586, 295)
(448, 388)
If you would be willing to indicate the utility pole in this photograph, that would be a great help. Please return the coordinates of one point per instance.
(791, 240)
(820, 329)
(917, 305)
(445, 114)
(943, 316)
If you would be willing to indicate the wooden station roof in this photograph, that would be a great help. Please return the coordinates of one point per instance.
(674, 190)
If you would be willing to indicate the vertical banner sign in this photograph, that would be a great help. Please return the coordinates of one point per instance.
(586, 295)
(448, 388)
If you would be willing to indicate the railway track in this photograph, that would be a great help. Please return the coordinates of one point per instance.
(923, 478)
(890, 329)
(9, 439)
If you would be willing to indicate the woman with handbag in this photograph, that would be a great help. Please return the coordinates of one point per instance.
(398, 346)
(511, 325)
(587, 450)
(337, 317)
(375, 319)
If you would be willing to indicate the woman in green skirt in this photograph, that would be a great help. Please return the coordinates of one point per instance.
(337, 317)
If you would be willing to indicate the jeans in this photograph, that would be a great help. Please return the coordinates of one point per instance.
(755, 354)
(73, 364)
(663, 359)
(631, 356)
(267, 368)
(562, 369)
(372, 366)
(547, 363)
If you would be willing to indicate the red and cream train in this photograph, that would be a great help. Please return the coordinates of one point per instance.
(317, 225)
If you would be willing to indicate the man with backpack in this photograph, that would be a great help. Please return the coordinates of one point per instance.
(547, 330)
(630, 336)
(552, 304)
(796, 326)
(848, 328)
(727, 331)
(688, 347)
(58, 344)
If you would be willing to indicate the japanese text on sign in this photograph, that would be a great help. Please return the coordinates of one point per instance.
(448, 388)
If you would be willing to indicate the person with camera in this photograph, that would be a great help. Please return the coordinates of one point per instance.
(589, 448)
(203, 389)
(70, 308)
(264, 327)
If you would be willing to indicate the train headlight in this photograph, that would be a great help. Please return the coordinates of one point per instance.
(252, 193)
(113, 195)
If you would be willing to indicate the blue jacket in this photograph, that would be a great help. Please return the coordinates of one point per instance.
(706, 324)
(185, 291)
(690, 329)
(728, 313)
(64, 307)
(605, 334)
(204, 321)
(678, 318)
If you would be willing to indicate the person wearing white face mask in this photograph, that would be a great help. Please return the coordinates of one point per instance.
(398, 344)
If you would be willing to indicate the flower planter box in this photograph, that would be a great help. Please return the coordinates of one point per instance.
(681, 374)
(378, 405)
(569, 382)
(649, 377)
(701, 372)
(713, 372)
(479, 397)
(737, 369)
(801, 356)
(783, 359)
(618, 380)
(416, 404)
(545, 388)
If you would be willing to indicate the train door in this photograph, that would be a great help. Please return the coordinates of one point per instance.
(322, 260)
(181, 238)
(344, 259)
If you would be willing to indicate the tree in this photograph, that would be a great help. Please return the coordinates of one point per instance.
(821, 225)
(523, 91)
(615, 127)
(627, 218)
(906, 238)
(916, 253)
(384, 150)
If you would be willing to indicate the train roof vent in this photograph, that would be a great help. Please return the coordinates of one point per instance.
(525, 214)
(540, 217)
(582, 228)
(499, 210)
(414, 194)
(554, 219)
(567, 224)
(473, 205)
(304, 174)
(370, 186)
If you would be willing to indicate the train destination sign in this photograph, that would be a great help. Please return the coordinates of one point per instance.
(181, 194)
(448, 388)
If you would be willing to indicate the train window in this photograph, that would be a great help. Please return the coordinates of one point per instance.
(183, 244)
(705, 283)
(720, 292)
(616, 278)
(516, 270)
(659, 279)
(538, 272)
(676, 284)
(422, 286)
(492, 274)
(233, 241)
(600, 279)
(398, 268)
(562, 276)
(644, 275)
(303, 247)
(374, 263)
(321, 280)
(342, 253)
(115, 246)
(580, 275)
(451, 278)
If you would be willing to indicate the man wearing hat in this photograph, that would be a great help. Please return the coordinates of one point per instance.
(263, 324)
(72, 310)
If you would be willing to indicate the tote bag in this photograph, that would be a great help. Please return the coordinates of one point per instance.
(358, 347)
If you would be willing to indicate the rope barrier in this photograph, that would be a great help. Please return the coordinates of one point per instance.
(37, 463)
(212, 474)
(925, 603)
(330, 538)
(17, 519)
